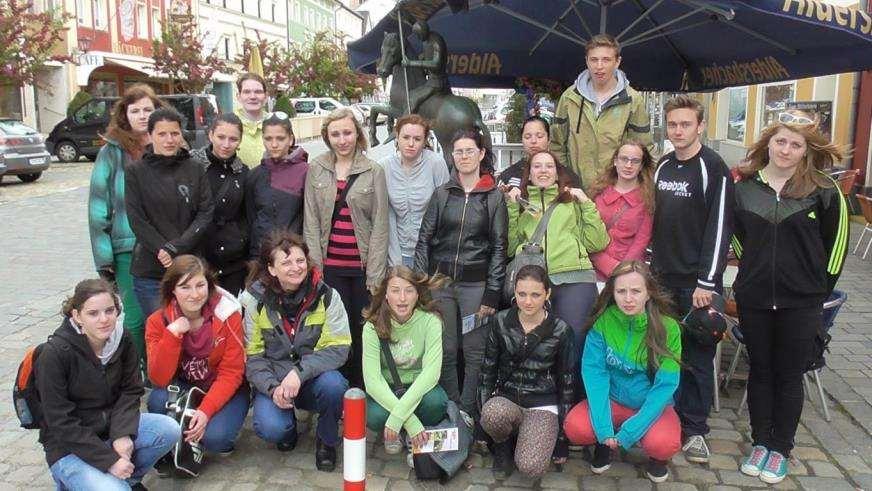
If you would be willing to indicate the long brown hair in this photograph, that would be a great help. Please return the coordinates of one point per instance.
(820, 154)
(658, 305)
(646, 175)
(379, 312)
(119, 128)
(563, 179)
(184, 267)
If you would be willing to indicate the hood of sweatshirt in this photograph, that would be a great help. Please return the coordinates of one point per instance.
(585, 87)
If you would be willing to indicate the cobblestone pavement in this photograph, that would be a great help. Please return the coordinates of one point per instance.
(45, 243)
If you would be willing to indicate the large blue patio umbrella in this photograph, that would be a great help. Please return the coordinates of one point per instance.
(668, 45)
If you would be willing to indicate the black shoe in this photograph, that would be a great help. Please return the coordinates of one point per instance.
(325, 456)
(602, 459)
(504, 463)
(288, 445)
(164, 466)
(656, 470)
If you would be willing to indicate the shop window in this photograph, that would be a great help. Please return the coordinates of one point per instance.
(155, 22)
(736, 109)
(141, 21)
(774, 101)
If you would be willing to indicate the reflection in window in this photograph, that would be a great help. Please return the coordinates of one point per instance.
(736, 109)
(775, 98)
(94, 110)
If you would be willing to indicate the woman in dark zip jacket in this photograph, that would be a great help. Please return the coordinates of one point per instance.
(463, 236)
(527, 380)
(89, 386)
(225, 244)
(791, 234)
(169, 204)
(274, 190)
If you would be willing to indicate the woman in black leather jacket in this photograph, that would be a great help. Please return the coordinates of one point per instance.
(463, 236)
(527, 379)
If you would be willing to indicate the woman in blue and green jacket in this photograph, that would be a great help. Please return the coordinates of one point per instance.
(112, 239)
(791, 234)
(575, 230)
(630, 369)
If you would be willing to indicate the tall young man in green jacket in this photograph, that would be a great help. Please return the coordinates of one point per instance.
(598, 113)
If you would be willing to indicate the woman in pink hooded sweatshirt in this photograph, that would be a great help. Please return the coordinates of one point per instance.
(624, 196)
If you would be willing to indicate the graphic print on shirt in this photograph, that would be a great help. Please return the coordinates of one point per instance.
(679, 188)
(403, 352)
(614, 360)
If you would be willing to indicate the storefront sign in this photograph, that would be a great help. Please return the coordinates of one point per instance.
(128, 49)
(85, 64)
(474, 64)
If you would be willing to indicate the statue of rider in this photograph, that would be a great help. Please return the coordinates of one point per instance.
(433, 58)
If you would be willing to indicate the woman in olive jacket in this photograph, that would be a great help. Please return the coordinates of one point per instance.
(347, 239)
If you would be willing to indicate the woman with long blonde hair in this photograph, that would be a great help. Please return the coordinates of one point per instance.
(791, 234)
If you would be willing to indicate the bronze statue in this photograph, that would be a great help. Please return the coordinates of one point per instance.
(429, 93)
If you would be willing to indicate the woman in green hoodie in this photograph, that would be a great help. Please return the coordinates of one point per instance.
(402, 320)
(575, 230)
(112, 239)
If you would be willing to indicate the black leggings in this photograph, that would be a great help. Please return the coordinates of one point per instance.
(352, 288)
(780, 344)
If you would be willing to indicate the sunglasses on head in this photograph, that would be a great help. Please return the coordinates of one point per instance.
(790, 118)
(281, 115)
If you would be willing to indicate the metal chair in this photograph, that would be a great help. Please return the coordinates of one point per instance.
(866, 209)
(846, 180)
(831, 309)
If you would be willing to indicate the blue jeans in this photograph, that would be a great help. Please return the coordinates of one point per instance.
(223, 427)
(323, 394)
(157, 435)
(147, 291)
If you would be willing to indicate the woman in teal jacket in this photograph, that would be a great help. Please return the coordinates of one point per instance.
(112, 239)
(630, 371)
(575, 230)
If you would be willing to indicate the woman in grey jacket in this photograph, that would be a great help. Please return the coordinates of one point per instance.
(412, 174)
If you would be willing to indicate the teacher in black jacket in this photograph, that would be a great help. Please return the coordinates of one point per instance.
(169, 205)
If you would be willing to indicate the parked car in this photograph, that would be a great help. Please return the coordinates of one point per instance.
(22, 150)
(320, 106)
(80, 133)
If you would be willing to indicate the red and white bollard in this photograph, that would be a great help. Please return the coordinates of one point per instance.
(354, 440)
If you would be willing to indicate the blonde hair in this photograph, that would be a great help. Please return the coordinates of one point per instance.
(335, 115)
(820, 154)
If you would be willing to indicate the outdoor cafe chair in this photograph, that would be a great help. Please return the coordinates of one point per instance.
(831, 309)
(866, 209)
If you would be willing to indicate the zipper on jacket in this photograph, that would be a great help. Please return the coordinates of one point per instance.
(545, 235)
(460, 235)
(775, 248)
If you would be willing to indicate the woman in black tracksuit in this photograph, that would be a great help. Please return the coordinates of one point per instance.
(791, 233)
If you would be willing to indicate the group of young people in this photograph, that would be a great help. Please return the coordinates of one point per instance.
(280, 286)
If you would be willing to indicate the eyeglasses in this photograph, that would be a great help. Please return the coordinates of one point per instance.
(790, 118)
(465, 152)
(281, 115)
(622, 159)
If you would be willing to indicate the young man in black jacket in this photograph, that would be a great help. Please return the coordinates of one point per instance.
(692, 227)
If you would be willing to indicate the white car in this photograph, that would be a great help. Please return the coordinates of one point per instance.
(321, 106)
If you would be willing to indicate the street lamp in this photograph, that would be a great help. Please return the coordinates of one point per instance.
(84, 44)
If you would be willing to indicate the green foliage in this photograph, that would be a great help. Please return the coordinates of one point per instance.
(515, 118)
(321, 70)
(80, 99)
(283, 103)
